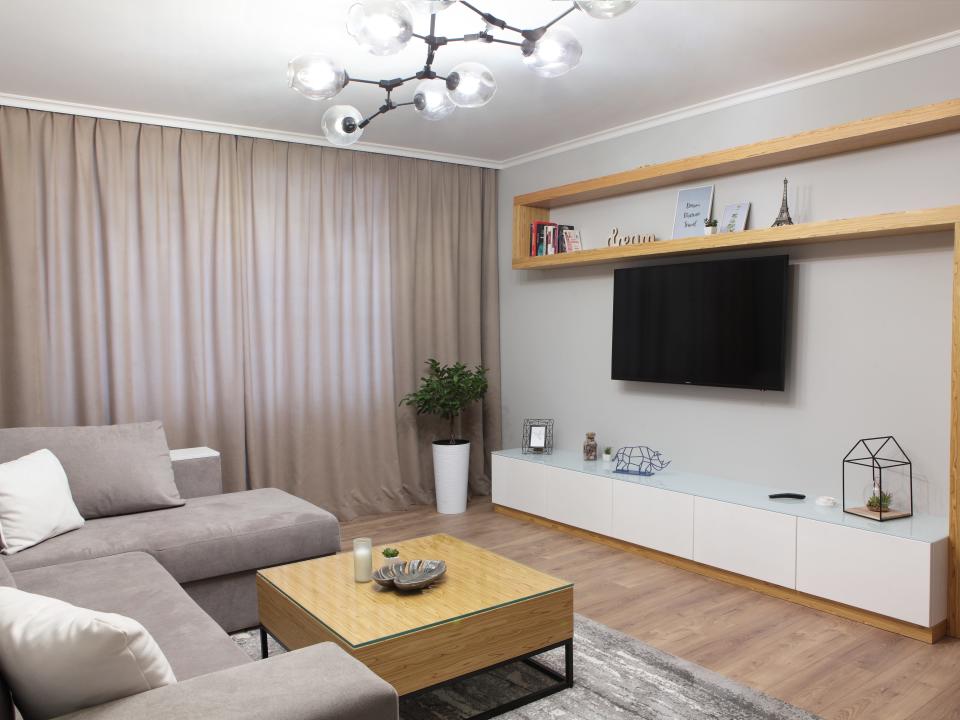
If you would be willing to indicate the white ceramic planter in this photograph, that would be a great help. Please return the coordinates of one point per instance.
(451, 464)
(710, 230)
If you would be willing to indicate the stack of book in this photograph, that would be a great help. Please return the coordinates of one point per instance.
(549, 238)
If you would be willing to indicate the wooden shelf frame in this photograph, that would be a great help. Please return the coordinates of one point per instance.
(912, 124)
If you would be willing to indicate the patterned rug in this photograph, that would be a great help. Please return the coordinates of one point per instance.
(615, 676)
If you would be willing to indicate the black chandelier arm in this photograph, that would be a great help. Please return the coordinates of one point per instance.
(490, 19)
(561, 16)
(383, 110)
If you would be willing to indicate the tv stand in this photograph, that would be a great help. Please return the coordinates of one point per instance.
(733, 531)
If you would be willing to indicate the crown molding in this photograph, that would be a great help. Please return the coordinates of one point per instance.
(834, 72)
(59, 106)
(845, 69)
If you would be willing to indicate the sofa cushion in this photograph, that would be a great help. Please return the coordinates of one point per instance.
(134, 584)
(35, 502)
(58, 657)
(207, 537)
(112, 469)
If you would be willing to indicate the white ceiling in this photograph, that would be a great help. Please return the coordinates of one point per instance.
(224, 61)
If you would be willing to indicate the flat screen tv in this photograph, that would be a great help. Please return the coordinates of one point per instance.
(720, 323)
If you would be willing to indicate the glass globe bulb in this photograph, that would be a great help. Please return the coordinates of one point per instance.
(431, 100)
(316, 76)
(554, 54)
(603, 9)
(381, 27)
(341, 124)
(470, 85)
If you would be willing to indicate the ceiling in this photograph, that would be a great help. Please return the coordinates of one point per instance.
(224, 61)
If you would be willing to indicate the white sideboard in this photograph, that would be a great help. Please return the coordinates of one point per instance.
(897, 568)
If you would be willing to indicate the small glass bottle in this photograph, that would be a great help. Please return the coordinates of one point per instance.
(590, 446)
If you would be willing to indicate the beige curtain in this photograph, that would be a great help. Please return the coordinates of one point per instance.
(271, 300)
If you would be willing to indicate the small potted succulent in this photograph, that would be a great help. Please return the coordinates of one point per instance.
(608, 454)
(710, 226)
(391, 556)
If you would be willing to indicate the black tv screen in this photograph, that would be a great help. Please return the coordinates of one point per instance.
(717, 323)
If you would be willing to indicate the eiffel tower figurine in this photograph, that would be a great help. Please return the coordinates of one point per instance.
(784, 217)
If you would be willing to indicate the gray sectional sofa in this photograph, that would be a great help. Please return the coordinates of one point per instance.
(187, 574)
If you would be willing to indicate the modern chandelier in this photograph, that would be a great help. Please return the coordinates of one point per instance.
(384, 27)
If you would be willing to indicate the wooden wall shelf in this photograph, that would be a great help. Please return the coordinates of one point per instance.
(885, 225)
(912, 124)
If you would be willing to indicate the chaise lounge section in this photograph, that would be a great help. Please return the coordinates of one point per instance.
(187, 574)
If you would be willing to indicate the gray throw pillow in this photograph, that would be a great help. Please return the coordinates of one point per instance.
(111, 469)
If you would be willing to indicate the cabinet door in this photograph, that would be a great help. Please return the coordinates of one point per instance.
(756, 543)
(519, 484)
(652, 517)
(579, 499)
(888, 575)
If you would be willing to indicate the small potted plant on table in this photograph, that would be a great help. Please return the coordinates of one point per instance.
(709, 226)
(445, 391)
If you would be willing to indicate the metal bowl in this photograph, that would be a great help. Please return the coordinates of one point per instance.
(412, 575)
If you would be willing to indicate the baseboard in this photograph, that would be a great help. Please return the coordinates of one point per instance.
(848, 612)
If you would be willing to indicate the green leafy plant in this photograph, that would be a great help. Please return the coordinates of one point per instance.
(390, 552)
(608, 450)
(710, 223)
(446, 390)
(879, 503)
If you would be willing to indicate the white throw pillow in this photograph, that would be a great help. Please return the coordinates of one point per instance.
(35, 502)
(58, 658)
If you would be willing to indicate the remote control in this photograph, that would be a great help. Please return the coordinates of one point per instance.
(792, 496)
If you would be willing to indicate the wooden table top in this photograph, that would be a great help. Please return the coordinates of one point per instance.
(360, 614)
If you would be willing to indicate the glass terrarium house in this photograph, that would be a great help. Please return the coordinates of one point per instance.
(878, 480)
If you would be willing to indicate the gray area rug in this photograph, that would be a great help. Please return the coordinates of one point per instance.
(615, 676)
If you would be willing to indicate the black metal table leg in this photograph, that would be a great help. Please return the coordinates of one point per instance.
(563, 680)
(264, 652)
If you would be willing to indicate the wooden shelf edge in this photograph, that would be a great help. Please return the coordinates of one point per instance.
(886, 224)
(911, 124)
(917, 632)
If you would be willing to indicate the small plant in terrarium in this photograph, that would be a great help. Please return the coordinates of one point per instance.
(879, 502)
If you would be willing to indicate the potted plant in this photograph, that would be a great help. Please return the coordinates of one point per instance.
(709, 226)
(445, 391)
(608, 454)
(391, 556)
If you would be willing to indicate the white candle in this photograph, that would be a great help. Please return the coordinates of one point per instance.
(362, 559)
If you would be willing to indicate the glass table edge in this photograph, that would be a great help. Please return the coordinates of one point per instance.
(357, 646)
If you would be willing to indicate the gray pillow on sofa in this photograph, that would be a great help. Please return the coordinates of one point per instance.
(111, 469)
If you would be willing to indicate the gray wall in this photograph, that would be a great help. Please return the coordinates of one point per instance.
(870, 337)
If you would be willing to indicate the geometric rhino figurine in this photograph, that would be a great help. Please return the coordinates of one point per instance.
(639, 460)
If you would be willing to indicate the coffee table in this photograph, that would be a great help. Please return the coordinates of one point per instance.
(487, 611)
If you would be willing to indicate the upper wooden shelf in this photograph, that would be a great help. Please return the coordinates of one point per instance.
(918, 122)
(887, 224)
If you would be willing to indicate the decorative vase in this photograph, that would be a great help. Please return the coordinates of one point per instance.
(590, 446)
(451, 465)
(608, 457)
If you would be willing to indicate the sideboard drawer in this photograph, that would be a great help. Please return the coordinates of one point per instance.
(579, 499)
(756, 543)
(519, 484)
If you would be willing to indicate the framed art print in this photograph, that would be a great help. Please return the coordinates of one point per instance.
(734, 217)
(537, 436)
(693, 207)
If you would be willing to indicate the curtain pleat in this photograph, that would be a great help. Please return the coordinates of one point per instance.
(268, 299)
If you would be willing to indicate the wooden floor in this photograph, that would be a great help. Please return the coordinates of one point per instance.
(832, 667)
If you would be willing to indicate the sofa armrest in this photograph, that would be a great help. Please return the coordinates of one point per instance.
(196, 472)
(320, 682)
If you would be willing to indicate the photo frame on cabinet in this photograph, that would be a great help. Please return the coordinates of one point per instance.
(538, 436)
